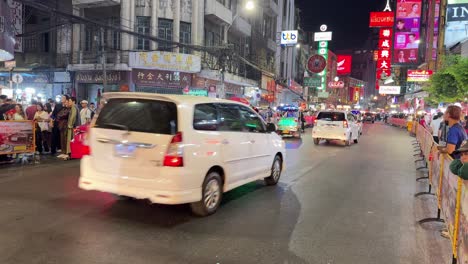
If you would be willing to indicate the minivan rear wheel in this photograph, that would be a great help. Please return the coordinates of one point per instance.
(212, 193)
(276, 169)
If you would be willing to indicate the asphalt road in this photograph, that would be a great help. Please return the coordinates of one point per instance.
(334, 204)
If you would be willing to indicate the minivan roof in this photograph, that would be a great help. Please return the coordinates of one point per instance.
(178, 99)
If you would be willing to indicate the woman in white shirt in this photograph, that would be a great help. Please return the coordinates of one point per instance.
(435, 125)
(43, 135)
(19, 113)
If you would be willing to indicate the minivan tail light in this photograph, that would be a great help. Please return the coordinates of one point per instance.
(345, 124)
(175, 154)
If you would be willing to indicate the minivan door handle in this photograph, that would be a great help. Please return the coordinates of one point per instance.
(252, 141)
(225, 142)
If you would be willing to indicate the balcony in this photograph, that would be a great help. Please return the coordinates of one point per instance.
(242, 27)
(271, 7)
(271, 44)
(217, 13)
(95, 3)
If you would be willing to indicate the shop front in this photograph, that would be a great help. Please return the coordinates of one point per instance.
(233, 85)
(89, 84)
(27, 85)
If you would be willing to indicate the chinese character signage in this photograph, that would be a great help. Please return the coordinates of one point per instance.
(384, 55)
(407, 31)
(156, 78)
(457, 22)
(168, 61)
(381, 19)
(343, 64)
(419, 75)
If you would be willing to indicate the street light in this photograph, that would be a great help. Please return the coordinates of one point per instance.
(375, 97)
(250, 5)
(298, 46)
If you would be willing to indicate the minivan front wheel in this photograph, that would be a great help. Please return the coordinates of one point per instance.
(212, 193)
(276, 169)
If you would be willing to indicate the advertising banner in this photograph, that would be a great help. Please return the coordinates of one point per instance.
(168, 61)
(289, 37)
(156, 78)
(389, 89)
(312, 81)
(419, 75)
(407, 31)
(343, 64)
(381, 19)
(449, 194)
(16, 137)
(323, 36)
(457, 22)
(463, 231)
(98, 77)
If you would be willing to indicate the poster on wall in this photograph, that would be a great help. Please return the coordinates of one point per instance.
(407, 31)
(16, 137)
(457, 22)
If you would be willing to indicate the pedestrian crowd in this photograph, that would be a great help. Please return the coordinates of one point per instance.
(55, 122)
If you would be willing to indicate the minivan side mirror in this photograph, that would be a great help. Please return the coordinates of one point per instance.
(271, 127)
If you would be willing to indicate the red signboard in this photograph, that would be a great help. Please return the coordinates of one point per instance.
(343, 64)
(419, 75)
(316, 64)
(384, 55)
(381, 19)
(339, 84)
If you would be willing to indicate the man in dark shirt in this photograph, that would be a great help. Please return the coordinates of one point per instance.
(55, 142)
(456, 133)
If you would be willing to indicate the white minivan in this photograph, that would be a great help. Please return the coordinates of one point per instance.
(336, 125)
(176, 149)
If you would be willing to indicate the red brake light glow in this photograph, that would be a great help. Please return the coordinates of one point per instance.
(175, 155)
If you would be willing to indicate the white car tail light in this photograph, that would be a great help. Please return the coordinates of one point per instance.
(175, 155)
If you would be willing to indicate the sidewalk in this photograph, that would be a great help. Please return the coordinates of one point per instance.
(30, 160)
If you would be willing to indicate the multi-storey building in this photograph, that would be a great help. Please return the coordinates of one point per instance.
(204, 47)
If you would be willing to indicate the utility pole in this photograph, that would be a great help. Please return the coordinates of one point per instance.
(430, 46)
(103, 60)
(441, 42)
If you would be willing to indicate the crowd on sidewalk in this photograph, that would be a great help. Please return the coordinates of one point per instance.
(449, 131)
(55, 122)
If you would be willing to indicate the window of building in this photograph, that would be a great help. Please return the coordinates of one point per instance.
(115, 35)
(165, 32)
(2, 24)
(89, 39)
(143, 27)
(185, 36)
(141, 3)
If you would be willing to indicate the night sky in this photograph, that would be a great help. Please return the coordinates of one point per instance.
(348, 19)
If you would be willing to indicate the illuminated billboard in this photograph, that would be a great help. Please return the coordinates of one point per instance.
(419, 75)
(343, 64)
(381, 19)
(457, 22)
(407, 31)
(289, 37)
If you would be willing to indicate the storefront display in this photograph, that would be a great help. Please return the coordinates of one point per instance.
(88, 84)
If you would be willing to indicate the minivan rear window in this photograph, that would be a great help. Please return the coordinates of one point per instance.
(139, 115)
(331, 116)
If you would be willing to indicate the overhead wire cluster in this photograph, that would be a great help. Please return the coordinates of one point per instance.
(221, 52)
